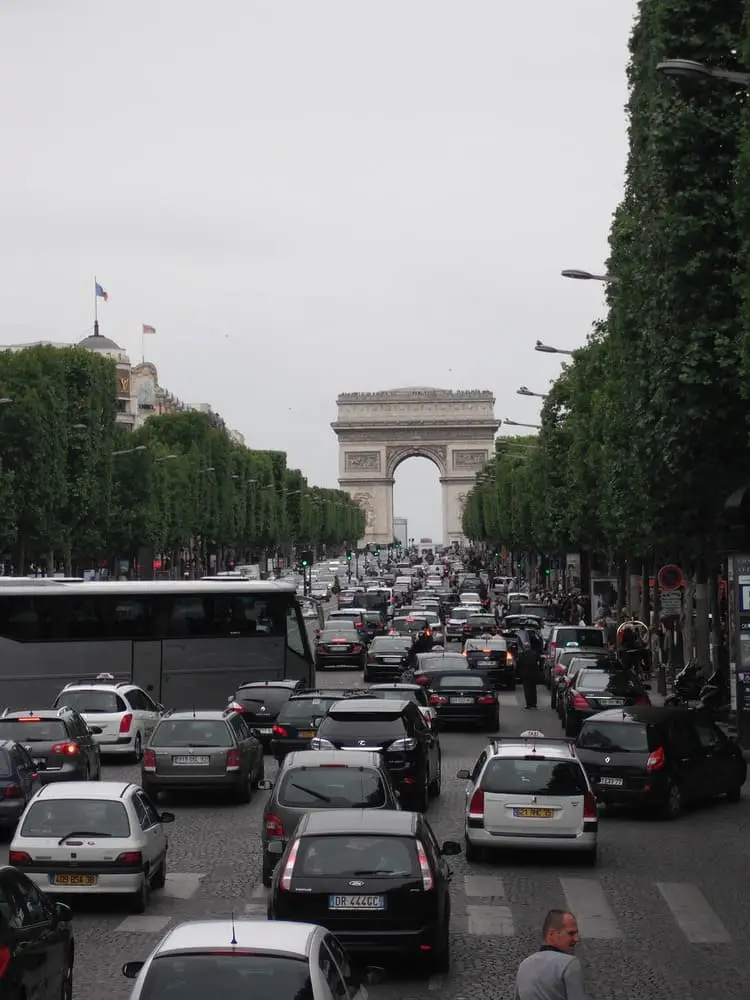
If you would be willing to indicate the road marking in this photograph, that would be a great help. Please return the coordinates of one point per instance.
(143, 924)
(484, 885)
(693, 913)
(181, 885)
(490, 921)
(259, 891)
(507, 699)
(585, 898)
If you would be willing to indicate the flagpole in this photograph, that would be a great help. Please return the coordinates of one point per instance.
(96, 311)
(143, 345)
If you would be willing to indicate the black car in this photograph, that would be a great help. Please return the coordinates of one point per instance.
(593, 691)
(659, 757)
(299, 718)
(36, 942)
(338, 647)
(376, 878)
(493, 657)
(416, 627)
(260, 702)
(388, 657)
(476, 625)
(397, 729)
(405, 692)
(59, 741)
(467, 697)
(349, 617)
(374, 624)
(19, 782)
(569, 662)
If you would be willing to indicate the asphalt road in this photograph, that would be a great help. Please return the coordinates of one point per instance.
(664, 915)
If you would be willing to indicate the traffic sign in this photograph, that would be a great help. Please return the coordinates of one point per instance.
(670, 577)
(744, 592)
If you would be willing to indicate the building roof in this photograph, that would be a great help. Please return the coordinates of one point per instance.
(96, 342)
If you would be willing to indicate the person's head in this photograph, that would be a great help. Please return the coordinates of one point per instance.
(560, 930)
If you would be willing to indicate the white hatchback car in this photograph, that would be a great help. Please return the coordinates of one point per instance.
(125, 715)
(247, 958)
(529, 792)
(93, 838)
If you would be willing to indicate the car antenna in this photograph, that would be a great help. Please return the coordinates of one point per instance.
(234, 935)
(193, 711)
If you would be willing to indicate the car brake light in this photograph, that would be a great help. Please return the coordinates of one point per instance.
(30, 718)
(356, 649)
(126, 722)
(4, 959)
(486, 699)
(320, 648)
(12, 792)
(130, 858)
(18, 857)
(643, 700)
(467, 628)
(579, 701)
(559, 668)
(233, 759)
(428, 882)
(274, 826)
(286, 878)
(235, 706)
(359, 624)
(149, 760)
(279, 730)
(589, 806)
(436, 699)
(420, 679)
(655, 760)
(66, 749)
(476, 807)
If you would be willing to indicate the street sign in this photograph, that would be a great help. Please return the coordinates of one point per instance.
(671, 604)
(670, 577)
(744, 595)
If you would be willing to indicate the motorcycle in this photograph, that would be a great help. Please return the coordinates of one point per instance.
(691, 689)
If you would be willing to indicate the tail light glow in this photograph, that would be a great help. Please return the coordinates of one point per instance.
(476, 807)
(643, 700)
(130, 858)
(428, 882)
(579, 701)
(589, 806)
(149, 760)
(420, 679)
(436, 699)
(12, 792)
(274, 826)
(286, 878)
(18, 857)
(278, 730)
(356, 649)
(233, 759)
(66, 749)
(126, 722)
(4, 959)
(656, 760)
(486, 699)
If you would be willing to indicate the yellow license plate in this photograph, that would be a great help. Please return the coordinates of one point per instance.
(533, 813)
(307, 734)
(75, 879)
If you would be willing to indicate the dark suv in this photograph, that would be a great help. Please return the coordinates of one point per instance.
(58, 740)
(299, 718)
(260, 703)
(203, 751)
(19, 782)
(397, 729)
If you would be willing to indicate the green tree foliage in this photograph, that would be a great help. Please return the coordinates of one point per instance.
(77, 488)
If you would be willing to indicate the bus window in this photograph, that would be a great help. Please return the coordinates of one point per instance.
(215, 615)
(293, 632)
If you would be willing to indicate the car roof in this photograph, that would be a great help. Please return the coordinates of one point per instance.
(42, 713)
(366, 821)
(396, 687)
(319, 693)
(321, 758)
(282, 936)
(283, 683)
(646, 714)
(526, 746)
(200, 714)
(359, 705)
(86, 790)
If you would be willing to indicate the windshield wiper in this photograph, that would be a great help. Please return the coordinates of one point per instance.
(379, 871)
(83, 833)
(310, 791)
(611, 748)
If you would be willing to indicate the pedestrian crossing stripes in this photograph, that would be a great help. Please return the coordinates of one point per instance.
(483, 906)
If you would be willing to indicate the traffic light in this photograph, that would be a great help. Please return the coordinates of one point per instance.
(547, 571)
(377, 550)
(306, 558)
(348, 555)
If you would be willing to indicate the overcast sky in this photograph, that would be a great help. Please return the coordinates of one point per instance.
(308, 197)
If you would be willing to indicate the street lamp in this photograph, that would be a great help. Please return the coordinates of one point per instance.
(525, 391)
(547, 349)
(573, 272)
(130, 451)
(209, 468)
(4, 400)
(692, 70)
(166, 458)
(515, 423)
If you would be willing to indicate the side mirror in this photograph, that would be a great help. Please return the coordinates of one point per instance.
(62, 911)
(450, 848)
(276, 848)
(160, 708)
(317, 721)
(95, 730)
(131, 969)
(464, 775)
(374, 975)
(265, 784)
(166, 817)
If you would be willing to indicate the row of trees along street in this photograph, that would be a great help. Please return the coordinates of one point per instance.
(644, 435)
(78, 490)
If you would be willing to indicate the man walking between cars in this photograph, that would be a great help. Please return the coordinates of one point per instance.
(528, 665)
(553, 972)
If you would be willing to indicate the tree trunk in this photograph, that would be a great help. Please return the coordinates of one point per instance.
(686, 621)
(702, 622)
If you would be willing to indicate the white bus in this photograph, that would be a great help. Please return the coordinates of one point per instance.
(189, 644)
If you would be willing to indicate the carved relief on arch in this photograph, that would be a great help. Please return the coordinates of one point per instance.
(437, 453)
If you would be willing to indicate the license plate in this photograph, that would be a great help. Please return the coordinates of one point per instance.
(74, 879)
(391, 659)
(611, 781)
(462, 701)
(39, 763)
(339, 649)
(533, 813)
(265, 732)
(307, 734)
(200, 759)
(486, 663)
(356, 902)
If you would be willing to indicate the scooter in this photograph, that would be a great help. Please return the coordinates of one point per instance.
(687, 686)
(692, 690)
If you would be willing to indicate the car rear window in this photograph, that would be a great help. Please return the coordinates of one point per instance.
(534, 777)
(493, 645)
(419, 697)
(615, 737)
(192, 976)
(332, 788)
(596, 680)
(355, 855)
(338, 634)
(272, 698)
(192, 733)
(481, 620)
(92, 702)
(306, 709)
(410, 622)
(352, 727)
(4, 764)
(579, 637)
(63, 817)
(383, 644)
(461, 613)
(41, 731)
(465, 680)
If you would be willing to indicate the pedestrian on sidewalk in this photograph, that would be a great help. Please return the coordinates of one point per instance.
(553, 972)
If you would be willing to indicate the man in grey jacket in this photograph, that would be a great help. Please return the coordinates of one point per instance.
(553, 972)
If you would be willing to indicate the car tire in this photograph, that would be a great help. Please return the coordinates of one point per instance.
(494, 726)
(440, 958)
(149, 790)
(262, 770)
(553, 698)
(159, 878)
(672, 806)
(436, 783)
(589, 858)
(571, 729)
(98, 775)
(472, 853)
(139, 900)
(266, 875)
(421, 799)
(366, 677)
(137, 748)
(66, 988)
(244, 791)
(734, 794)
(512, 686)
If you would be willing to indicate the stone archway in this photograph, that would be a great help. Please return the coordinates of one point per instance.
(377, 431)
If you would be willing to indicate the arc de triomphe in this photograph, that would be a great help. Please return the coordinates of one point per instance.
(377, 431)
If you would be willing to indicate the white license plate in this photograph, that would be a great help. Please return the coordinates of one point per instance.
(39, 763)
(611, 781)
(265, 732)
(356, 902)
(200, 759)
(462, 701)
(486, 663)
(391, 659)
